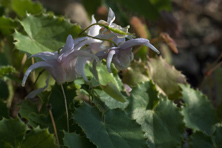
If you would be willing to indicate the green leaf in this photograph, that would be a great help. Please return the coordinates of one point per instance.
(111, 90)
(144, 96)
(7, 25)
(74, 140)
(217, 136)
(198, 111)
(12, 132)
(212, 88)
(166, 77)
(166, 124)
(112, 129)
(6, 70)
(44, 33)
(26, 108)
(200, 140)
(22, 7)
(106, 78)
(109, 101)
(161, 120)
(136, 73)
(39, 138)
(4, 110)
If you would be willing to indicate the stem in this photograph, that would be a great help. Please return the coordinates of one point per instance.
(86, 29)
(33, 73)
(103, 39)
(54, 125)
(67, 113)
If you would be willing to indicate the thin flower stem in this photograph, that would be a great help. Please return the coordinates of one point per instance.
(33, 73)
(67, 113)
(54, 125)
(103, 39)
(86, 29)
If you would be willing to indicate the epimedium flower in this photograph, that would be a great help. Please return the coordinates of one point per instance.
(60, 65)
(122, 55)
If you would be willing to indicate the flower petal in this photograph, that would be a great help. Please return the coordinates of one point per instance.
(135, 42)
(72, 57)
(111, 17)
(38, 91)
(80, 67)
(109, 59)
(152, 47)
(69, 44)
(31, 68)
(94, 30)
(46, 56)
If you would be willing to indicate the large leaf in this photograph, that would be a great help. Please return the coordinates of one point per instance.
(166, 77)
(74, 140)
(198, 111)
(161, 121)
(21, 7)
(12, 132)
(200, 140)
(112, 129)
(44, 33)
(39, 138)
(217, 136)
(7, 25)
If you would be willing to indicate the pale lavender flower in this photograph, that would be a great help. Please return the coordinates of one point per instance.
(122, 55)
(61, 66)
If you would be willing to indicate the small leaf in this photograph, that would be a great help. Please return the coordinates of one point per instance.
(74, 140)
(136, 73)
(44, 33)
(6, 70)
(112, 129)
(111, 90)
(200, 140)
(109, 101)
(12, 132)
(22, 7)
(166, 77)
(105, 77)
(198, 111)
(39, 138)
